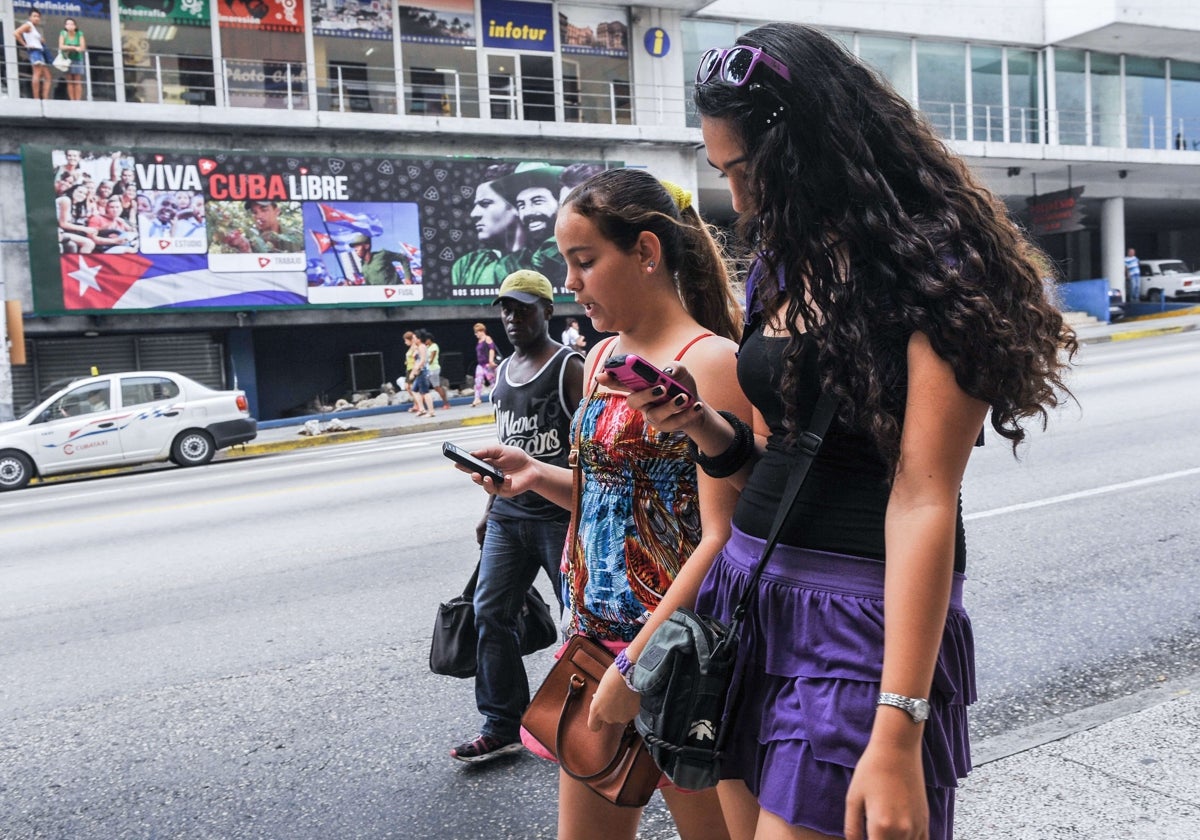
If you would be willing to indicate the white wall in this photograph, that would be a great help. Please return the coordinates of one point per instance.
(1066, 19)
(1017, 22)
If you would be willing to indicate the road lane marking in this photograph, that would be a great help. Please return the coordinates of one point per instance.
(1082, 494)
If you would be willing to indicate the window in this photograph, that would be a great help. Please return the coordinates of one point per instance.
(1185, 104)
(942, 87)
(1024, 106)
(86, 399)
(594, 42)
(1146, 103)
(354, 56)
(1070, 85)
(138, 390)
(892, 57)
(987, 94)
(699, 36)
(438, 49)
(1106, 99)
(168, 63)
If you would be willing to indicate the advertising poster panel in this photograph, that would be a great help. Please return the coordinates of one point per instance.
(134, 230)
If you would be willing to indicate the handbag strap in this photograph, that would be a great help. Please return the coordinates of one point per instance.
(469, 589)
(809, 443)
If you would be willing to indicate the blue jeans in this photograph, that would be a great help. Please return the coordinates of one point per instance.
(513, 551)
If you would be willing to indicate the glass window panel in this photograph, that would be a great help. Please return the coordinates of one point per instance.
(1070, 85)
(942, 87)
(354, 56)
(252, 81)
(1185, 104)
(171, 63)
(1106, 99)
(1146, 103)
(698, 36)
(892, 57)
(594, 43)
(441, 75)
(1024, 123)
(987, 93)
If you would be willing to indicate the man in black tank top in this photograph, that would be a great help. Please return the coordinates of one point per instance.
(537, 391)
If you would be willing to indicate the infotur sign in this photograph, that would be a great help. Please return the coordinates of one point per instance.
(515, 25)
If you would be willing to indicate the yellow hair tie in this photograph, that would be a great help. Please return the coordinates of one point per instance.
(681, 197)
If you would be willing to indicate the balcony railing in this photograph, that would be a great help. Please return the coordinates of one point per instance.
(167, 79)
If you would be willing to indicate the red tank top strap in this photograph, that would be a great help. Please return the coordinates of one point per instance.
(688, 346)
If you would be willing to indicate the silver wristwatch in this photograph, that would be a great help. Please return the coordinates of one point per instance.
(917, 709)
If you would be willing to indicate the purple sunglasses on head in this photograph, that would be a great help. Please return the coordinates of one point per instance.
(735, 65)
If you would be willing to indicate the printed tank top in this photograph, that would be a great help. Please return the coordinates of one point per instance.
(639, 516)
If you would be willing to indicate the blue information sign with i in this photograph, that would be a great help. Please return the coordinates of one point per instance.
(657, 42)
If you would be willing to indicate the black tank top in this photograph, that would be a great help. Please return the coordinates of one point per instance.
(842, 504)
(534, 416)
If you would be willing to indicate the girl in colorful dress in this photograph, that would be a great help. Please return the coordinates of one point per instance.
(645, 267)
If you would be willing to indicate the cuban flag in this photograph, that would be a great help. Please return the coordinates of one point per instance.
(342, 225)
(134, 281)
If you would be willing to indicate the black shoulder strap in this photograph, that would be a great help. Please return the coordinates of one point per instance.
(809, 443)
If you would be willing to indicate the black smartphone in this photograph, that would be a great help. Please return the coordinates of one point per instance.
(637, 374)
(462, 456)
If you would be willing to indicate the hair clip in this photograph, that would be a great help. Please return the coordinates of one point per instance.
(681, 197)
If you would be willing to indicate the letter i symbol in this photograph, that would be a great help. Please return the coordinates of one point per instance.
(658, 42)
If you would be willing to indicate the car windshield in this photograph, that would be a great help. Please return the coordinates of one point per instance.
(1173, 267)
(53, 388)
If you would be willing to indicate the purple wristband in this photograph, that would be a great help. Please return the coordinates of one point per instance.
(625, 669)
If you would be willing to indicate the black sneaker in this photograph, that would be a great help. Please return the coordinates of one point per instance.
(485, 748)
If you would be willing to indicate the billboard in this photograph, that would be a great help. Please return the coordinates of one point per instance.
(135, 230)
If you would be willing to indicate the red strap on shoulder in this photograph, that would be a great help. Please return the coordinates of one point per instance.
(688, 346)
(601, 355)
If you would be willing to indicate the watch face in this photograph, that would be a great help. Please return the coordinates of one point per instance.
(919, 710)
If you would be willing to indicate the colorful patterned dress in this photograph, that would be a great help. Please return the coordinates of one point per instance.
(639, 518)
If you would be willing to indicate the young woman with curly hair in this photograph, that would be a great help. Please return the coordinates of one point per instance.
(887, 276)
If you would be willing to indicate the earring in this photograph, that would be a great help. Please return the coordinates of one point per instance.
(650, 266)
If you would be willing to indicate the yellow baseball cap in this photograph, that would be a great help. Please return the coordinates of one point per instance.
(526, 286)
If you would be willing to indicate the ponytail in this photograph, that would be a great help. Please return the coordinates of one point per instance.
(623, 203)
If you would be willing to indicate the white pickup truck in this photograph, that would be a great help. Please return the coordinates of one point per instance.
(1167, 279)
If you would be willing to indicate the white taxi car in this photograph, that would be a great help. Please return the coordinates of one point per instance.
(120, 419)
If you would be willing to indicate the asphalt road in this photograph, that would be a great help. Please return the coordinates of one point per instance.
(240, 651)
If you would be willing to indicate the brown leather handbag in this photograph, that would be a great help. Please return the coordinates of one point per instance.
(613, 762)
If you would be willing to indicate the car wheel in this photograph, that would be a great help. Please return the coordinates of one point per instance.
(193, 448)
(1155, 296)
(15, 470)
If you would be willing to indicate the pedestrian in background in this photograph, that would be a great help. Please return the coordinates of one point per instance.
(536, 392)
(73, 45)
(30, 37)
(485, 362)
(434, 367)
(888, 277)
(1133, 276)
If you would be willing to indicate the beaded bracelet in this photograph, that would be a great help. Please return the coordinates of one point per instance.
(625, 669)
(735, 455)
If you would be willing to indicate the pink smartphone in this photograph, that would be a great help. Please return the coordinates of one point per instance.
(637, 374)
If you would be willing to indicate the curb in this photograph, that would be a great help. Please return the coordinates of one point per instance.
(348, 436)
(1000, 747)
(1129, 335)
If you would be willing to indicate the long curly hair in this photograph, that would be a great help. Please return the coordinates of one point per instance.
(624, 202)
(879, 231)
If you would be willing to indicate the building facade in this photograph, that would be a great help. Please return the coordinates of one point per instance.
(251, 146)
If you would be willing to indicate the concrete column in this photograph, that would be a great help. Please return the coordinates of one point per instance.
(1112, 242)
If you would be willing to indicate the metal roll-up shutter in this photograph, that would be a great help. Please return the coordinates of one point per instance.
(197, 356)
(63, 358)
(24, 388)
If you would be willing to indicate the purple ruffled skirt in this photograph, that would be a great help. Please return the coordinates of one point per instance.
(810, 659)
